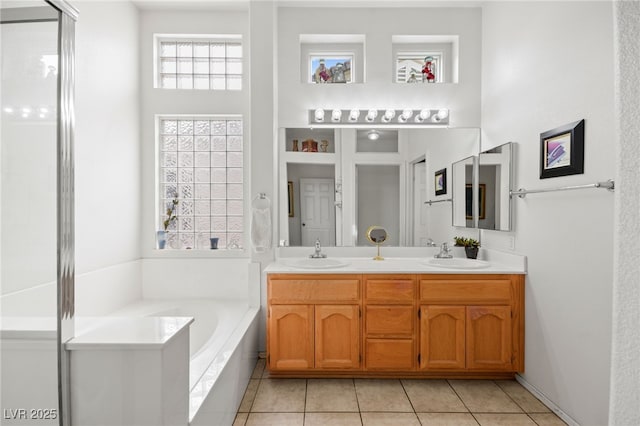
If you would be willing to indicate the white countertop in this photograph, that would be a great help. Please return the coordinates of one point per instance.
(497, 264)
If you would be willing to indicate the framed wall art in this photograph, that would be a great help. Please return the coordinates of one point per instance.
(440, 180)
(562, 151)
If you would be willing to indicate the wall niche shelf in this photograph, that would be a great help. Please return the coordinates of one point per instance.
(411, 51)
(323, 137)
(331, 58)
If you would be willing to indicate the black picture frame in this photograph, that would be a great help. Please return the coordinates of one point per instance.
(562, 151)
(290, 194)
(440, 182)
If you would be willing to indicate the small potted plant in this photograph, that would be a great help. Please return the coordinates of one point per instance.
(470, 245)
(171, 217)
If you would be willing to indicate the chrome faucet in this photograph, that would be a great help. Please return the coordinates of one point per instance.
(318, 254)
(445, 252)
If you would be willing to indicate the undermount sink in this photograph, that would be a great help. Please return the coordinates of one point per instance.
(321, 263)
(458, 263)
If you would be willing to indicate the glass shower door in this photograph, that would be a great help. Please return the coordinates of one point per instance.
(29, 213)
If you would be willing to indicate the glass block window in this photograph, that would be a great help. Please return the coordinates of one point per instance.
(201, 166)
(206, 64)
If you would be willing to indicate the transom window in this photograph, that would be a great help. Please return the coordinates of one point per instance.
(213, 63)
(201, 167)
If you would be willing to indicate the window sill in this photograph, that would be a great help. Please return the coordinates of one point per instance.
(197, 254)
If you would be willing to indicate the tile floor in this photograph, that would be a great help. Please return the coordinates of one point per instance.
(373, 402)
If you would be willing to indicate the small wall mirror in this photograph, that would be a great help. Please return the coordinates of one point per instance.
(463, 192)
(494, 185)
(377, 235)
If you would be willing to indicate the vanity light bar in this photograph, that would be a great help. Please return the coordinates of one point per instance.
(386, 117)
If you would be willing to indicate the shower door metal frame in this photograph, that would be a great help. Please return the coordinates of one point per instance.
(65, 200)
(66, 17)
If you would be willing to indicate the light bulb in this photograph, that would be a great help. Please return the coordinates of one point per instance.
(8, 110)
(424, 114)
(336, 114)
(443, 113)
(371, 115)
(406, 115)
(388, 115)
(353, 115)
(319, 115)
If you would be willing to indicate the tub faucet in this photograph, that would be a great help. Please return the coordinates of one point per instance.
(445, 252)
(318, 254)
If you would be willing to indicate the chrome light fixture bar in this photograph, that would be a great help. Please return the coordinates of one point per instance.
(378, 117)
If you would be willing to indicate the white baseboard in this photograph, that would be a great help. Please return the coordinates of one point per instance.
(546, 401)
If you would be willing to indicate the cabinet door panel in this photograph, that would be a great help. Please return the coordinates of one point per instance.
(442, 337)
(389, 320)
(291, 337)
(489, 337)
(389, 354)
(337, 336)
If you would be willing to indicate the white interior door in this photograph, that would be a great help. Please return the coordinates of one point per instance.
(317, 211)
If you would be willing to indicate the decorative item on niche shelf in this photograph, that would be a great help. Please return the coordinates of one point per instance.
(428, 70)
(294, 146)
(324, 145)
(335, 69)
(562, 151)
(309, 145)
(171, 218)
(440, 180)
(470, 245)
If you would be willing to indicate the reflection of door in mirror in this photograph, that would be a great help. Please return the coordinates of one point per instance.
(420, 232)
(317, 211)
(378, 200)
(311, 202)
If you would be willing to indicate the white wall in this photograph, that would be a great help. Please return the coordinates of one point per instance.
(624, 408)
(542, 68)
(163, 101)
(378, 25)
(107, 156)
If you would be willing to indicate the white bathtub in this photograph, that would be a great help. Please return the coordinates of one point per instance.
(223, 350)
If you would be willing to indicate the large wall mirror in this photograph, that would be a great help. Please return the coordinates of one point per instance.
(350, 179)
(494, 184)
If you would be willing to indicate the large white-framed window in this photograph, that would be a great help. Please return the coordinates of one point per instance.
(200, 169)
(200, 62)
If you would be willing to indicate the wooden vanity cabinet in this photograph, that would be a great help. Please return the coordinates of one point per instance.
(313, 322)
(429, 325)
(389, 322)
(472, 322)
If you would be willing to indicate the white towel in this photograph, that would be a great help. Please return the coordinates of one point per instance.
(261, 224)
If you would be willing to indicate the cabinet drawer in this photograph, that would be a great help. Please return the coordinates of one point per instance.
(386, 291)
(491, 291)
(314, 290)
(389, 320)
(389, 354)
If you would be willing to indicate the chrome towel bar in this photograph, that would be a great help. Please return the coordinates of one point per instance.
(437, 201)
(609, 185)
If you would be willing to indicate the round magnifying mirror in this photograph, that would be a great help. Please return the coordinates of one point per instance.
(377, 235)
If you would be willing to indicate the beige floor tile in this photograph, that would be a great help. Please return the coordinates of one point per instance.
(435, 396)
(389, 419)
(447, 419)
(331, 395)
(495, 419)
(241, 419)
(381, 395)
(275, 419)
(257, 372)
(484, 396)
(522, 397)
(249, 396)
(280, 396)
(547, 419)
(332, 419)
